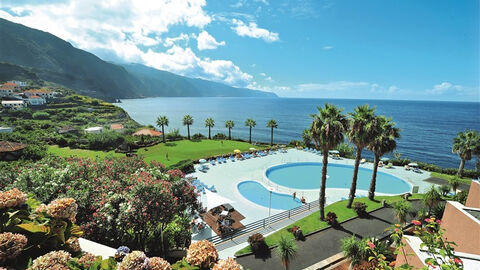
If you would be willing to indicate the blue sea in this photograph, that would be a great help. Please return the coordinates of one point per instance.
(427, 127)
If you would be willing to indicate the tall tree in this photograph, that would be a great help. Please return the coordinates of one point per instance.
(384, 142)
(162, 121)
(307, 137)
(229, 124)
(272, 124)
(251, 124)
(209, 122)
(187, 121)
(465, 145)
(361, 132)
(327, 130)
(287, 250)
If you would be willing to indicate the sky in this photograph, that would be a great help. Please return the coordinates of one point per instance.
(372, 49)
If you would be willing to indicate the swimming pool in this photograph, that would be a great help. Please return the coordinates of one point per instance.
(307, 175)
(257, 193)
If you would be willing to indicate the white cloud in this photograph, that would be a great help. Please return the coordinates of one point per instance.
(252, 30)
(326, 48)
(269, 79)
(265, 2)
(331, 86)
(169, 42)
(263, 74)
(206, 42)
(444, 87)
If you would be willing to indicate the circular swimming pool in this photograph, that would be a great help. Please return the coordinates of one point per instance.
(307, 175)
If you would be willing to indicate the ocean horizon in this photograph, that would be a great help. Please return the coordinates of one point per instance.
(427, 127)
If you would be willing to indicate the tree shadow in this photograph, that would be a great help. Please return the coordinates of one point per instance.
(170, 144)
(263, 252)
(339, 227)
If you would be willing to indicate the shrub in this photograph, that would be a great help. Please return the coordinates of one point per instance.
(105, 141)
(202, 254)
(354, 249)
(174, 135)
(438, 210)
(220, 136)
(444, 189)
(332, 219)
(461, 197)
(186, 166)
(198, 136)
(34, 152)
(256, 241)
(360, 208)
(345, 149)
(41, 115)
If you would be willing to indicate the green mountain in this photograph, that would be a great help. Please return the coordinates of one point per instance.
(55, 60)
(164, 83)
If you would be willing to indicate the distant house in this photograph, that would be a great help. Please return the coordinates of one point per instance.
(36, 100)
(11, 150)
(5, 92)
(10, 86)
(117, 127)
(46, 94)
(67, 129)
(94, 130)
(148, 132)
(19, 83)
(6, 130)
(14, 104)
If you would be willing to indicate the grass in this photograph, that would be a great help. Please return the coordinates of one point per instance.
(448, 177)
(82, 153)
(185, 149)
(312, 222)
(177, 151)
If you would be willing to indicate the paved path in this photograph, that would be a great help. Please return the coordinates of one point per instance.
(324, 244)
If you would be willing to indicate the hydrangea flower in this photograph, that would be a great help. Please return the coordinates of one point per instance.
(202, 254)
(87, 260)
(121, 252)
(157, 263)
(65, 208)
(12, 198)
(137, 260)
(57, 260)
(228, 264)
(73, 245)
(11, 245)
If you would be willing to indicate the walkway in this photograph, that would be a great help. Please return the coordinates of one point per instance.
(326, 243)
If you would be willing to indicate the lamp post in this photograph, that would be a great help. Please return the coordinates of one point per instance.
(270, 205)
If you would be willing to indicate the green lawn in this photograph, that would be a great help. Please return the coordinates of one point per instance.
(82, 153)
(312, 222)
(447, 177)
(177, 151)
(181, 150)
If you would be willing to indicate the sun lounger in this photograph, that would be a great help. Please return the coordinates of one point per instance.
(389, 165)
(362, 161)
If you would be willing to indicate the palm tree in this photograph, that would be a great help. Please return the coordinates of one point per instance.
(385, 142)
(209, 122)
(454, 182)
(229, 124)
(431, 198)
(401, 210)
(307, 137)
(287, 250)
(272, 124)
(326, 131)
(162, 121)
(251, 124)
(361, 132)
(465, 145)
(187, 121)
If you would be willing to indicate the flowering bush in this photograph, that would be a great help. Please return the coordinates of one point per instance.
(136, 260)
(88, 259)
(202, 254)
(57, 260)
(332, 219)
(11, 245)
(157, 263)
(228, 264)
(12, 198)
(63, 209)
(360, 208)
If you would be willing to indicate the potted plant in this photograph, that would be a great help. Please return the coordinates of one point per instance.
(332, 219)
(360, 208)
(297, 232)
(256, 241)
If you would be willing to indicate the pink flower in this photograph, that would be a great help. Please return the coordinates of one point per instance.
(416, 222)
(438, 221)
(457, 261)
(371, 245)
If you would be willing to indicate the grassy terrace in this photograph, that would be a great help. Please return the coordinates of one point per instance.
(312, 222)
(177, 151)
(448, 177)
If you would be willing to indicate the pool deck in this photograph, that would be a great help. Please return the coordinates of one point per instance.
(226, 177)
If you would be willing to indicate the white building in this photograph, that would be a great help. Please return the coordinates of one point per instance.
(94, 130)
(35, 100)
(6, 130)
(46, 94)
(6, 92)
(14, 104)
(19, 83)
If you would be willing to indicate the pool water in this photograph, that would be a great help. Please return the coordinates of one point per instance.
(307, 175)
(257, 193)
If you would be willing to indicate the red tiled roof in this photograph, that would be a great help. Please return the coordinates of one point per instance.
(38, 91)
(116, 126)
(35, 97)
(6, 87)
(10, 84)
(148, 132)
(6, 146)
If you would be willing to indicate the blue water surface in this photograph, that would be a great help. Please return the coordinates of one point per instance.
(307, 175)
(427, 127)
(257, 193)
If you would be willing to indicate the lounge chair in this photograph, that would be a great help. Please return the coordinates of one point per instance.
(362, 161)
(415, 189)
(407, 168)
(389, 165)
